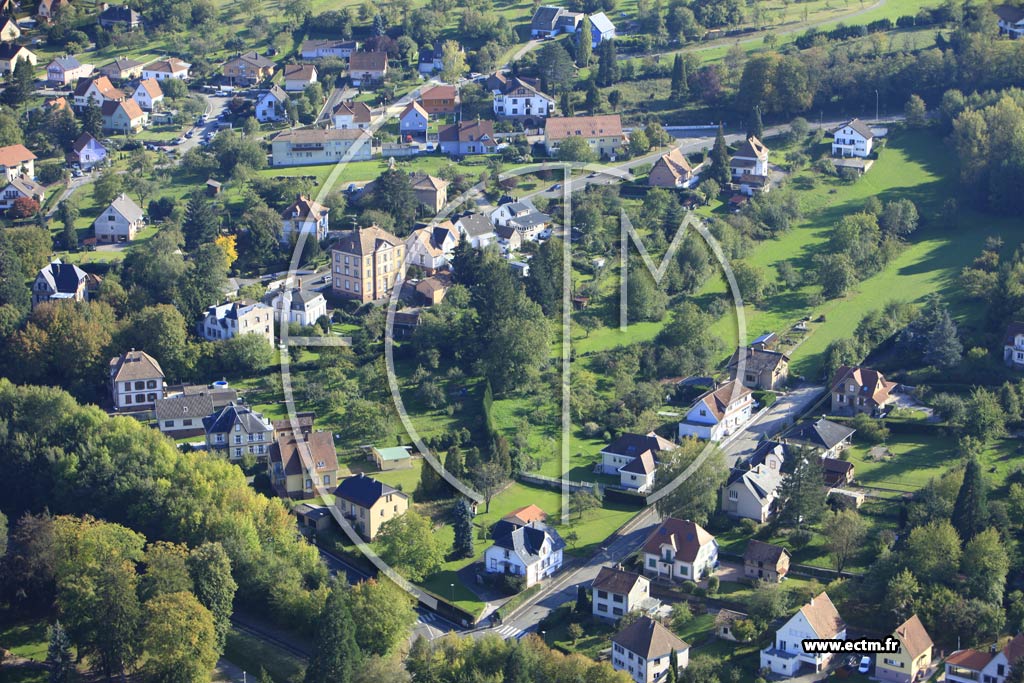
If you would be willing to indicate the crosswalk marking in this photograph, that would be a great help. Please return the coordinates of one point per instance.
(510, 632)
(427, 617)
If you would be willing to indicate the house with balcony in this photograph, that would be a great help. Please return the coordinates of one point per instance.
(21, 187)
(367, 504)
(247, 69)
(239, 430)
(718, 412)
(515, 97)
(817, 620)
(984, 666)
(120, 221)
(311, 146)
(148, 95)
(853, 139)
(300, 467)
(430, 249)
(645, 650)
(59, 281)
(533, 551)
(272, 105)
(477, 228)
(523, 217)
(136, 381)
(616, 592)
(679, 550)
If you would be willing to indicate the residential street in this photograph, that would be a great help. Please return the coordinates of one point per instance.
(782, 414)
(562, 588)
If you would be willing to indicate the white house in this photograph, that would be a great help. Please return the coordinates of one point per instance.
(308, 146)
(978, 666)
(633, 458)
(136, 380)
(22, 186)
(164, 69)
(752, 488)
(527, 221)
(749, 166)
(478, 229)
(431, 248)
(237, 317)
(680, 550)
(718, 413)
(341, 49)
(272, 105)
(1013, 345)
(299, 306)
(413, 120)
(533, 551)
(817, 620)
(298, 77)
(17, 160)
(852, 139)
(304, 216)
(645, 649)
(120, 221)
(1011, 20)
(352, 115)
(239, 430)
(515, 97)
(95, 91)
(148, 94)
(601, 29)
(616, 592)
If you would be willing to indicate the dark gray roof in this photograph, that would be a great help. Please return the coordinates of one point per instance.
(859, 126)
(123, 13)
(759, 551)
(526, 541)
(615, 580)
(632, 445)
(251, 421)
(758, 360)
(178, 407)
(9, 49)
(476, 224)
(649, 639)
(364, 491)
(544, 18)
(821, 433)
(67, 62)
(63, 278)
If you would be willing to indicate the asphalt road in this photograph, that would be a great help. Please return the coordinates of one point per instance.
(782, 414)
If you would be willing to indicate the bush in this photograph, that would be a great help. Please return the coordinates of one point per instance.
(749, 526)
(799, 538)
(714, 583)
(700, 592)
(688, 587)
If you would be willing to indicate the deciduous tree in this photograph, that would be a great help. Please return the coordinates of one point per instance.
(409, 545)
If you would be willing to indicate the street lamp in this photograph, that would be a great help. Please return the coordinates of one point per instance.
(876, 105)
(453, 594)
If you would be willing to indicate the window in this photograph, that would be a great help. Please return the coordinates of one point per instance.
(893, 662)
(734, 495)
(652, 562)
(187, 422)
(128, 398)
(603, 595)
(140, 398)
(151, 384)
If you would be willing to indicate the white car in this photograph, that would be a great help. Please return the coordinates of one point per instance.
(865, 664)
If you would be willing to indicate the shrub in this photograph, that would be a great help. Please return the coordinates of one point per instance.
(799, 538)
(689, 587)
(749, 526)
(700, 592)
(714, 583)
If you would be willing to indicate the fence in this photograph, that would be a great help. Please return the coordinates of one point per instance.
(555, 484)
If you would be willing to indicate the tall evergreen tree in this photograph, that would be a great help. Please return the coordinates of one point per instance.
(584, 605)
(201, 223)
(430, 483)
(12, 276)
(544, 283)
(20, 83)
(607, 64)
(92, 119)
(673, 668)
(336, 656)
(757, 125)
(584, 50)
(970, 512)
(678, 77)
(454, 463)
(803, 491)
(463, 546)
(719, 171)
(58, 654)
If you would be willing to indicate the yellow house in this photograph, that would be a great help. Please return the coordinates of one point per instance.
(298, 466)
(396, 458)
(367, 503)
(914, 657)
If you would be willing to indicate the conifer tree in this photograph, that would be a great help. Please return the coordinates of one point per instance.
(336, 656)
(463, 546)
(970, 512)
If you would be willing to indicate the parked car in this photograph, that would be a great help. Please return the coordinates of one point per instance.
(865, 664)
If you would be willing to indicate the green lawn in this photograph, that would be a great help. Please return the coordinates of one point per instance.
(251, 654)
(26, 639)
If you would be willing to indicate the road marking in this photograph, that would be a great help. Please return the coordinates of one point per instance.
(510, 632)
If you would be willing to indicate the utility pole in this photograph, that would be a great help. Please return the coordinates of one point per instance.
(876, 105)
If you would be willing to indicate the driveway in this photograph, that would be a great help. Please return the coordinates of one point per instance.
(783, 413)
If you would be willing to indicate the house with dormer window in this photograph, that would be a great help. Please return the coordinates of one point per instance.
(680, 550)
(718, 412)
(858, 390)
(298, 466)
(532, 551)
